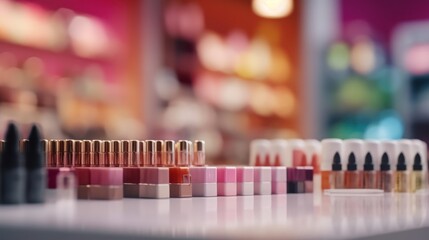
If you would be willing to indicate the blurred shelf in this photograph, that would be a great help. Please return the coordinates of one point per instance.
(256, 217)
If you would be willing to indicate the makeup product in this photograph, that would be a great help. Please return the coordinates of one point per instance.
(226, 181)
(78, 153)
(106, 183)
(260, 153)
(309, 178)
(87, 151)
(158, 153)
(23, 145)
(117, 153)
(1, 145)
(61, 148)
(66, 185)
(329, 147)
(353, 153)
(133, 177)
(204, 178)
(401, 175)
(36, 172)
(420, 147)
(69, 153)
(126, 153)
(296, 151)
(53, 148)
(278, 183)
(374, 149)
(262, 180)
(417, 174)
(180, 177)
(337, 175)
(12, 172)
(45, 151)
(245, 181)
(300, 179)
(82, 169)
(388, 163)
(278, 153)
(313, 151)
(369, 175)
(98, 154)
(291, 180)
(108, 159)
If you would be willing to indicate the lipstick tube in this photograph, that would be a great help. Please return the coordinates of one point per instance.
(158, 153)
(227, 181)
(135, 154)
(168, 153)
(61, 147)
(69, 153)
(78, 153)
(180, 176)
(45, 149)
(262, 180)
(329, 147)
(278, 184)
(106, 183)
(117, 153)
(98, 155)
(245, 181)
(53, 148)
(88, 150)
(108, 159)
(126, 153)
(204, 178)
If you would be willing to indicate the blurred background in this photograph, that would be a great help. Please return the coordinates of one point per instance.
(224, 71)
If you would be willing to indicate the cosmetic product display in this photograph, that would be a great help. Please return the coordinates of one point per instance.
(12, 170)
(337, 175)
(245, 181)
(330, 157)
(203, 178)
(353, 154)
(180, 177)
(309, 178)
(278, 183)
(262, 179)
(291, 180)
(227, 181)
(401, 175)
(417, 174)
(387, 165)
(260, 153)
(35, 165)
(312, 151)
(372, 149)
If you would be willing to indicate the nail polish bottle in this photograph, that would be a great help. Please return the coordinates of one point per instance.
(126, 153)
(278, 153)
(329, 147)
(69, 153)
(204, 178)
(53, 148)
(133, 176)
(386, 175)
(278, 184)
(12, 172)
(401, 175)
(351, 175)
(337, 175)
(245, 181)
(61, 148)
(156, 178)
(262, 179)
(369, 175)
(36, 172)
(117, 153)
(259, 152)
(180, 176)
(417, 174)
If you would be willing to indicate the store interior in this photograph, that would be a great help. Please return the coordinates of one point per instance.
(223, 71)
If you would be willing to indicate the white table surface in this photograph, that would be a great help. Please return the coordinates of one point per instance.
(275, 216)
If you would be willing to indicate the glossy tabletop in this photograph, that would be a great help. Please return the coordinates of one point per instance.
(275, 216)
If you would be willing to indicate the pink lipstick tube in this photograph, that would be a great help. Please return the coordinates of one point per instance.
(245, 181)
(262, 180)
(227, 181)
(204, 181)
(106, 183)
(278, 183)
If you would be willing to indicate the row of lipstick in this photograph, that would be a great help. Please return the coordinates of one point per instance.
(399, 166)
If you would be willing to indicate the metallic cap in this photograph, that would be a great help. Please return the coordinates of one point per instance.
(61, 147)
(98, 146)
(159, 145)
(135, 146)
(78, 146)
(142, 146)
(108, 146)
(182, 145)
(69, 145)
(117, 148)
(23, 145)
(53, 145)
(44, 143)
(150, 146)
(126, 146)
(199, 145)
(168, 146)
(87, 146)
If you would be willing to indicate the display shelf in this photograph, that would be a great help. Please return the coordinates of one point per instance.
(270, 216)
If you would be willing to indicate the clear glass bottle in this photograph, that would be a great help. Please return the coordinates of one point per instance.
(369, 175)
(337, 175)
(417, 182)
(401, 175)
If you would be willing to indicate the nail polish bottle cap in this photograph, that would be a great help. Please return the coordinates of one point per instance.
(368, 165)
(142, 146)
(336, 162)
(78, 146)
(98, 146)
(135, 146)
(107, 146)
(351, 162)
(34, 155)
(385, 165)
(168, 150)
(69, 146)
(199, 153)
(374, 148)
(87, 146)
(391, 149)
(355, 146)
(11, 156)
(260, 152)
(329, 147)
(278, 153)
(417, 166)
(402, 164)
(126, 146)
